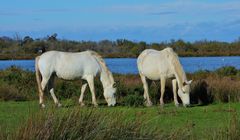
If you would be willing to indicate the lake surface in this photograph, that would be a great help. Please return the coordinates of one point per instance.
(129, 65)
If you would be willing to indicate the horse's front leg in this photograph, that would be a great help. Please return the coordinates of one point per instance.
(90, 80)
(82, 94)
(163, 83)
(174, 85)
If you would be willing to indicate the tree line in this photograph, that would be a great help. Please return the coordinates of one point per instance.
(28, 48)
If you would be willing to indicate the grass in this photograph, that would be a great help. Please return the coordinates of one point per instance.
(218, 119)
(222, 85)
(198, 121)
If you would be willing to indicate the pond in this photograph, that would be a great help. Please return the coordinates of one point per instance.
(129, 65)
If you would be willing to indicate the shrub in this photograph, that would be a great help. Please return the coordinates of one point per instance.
(227, 71)
(77, 124)
(21, 85)
(20, 82)
(200, 93)
(133, 100)
(224, 89)
(8, 92)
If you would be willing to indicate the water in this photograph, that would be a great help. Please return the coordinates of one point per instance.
(128, 65)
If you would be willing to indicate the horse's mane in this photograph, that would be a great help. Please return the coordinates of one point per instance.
(103, 64)
(176, 64)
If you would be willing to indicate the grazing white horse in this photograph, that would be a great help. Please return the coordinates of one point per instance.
(69, 66)
(161, 65)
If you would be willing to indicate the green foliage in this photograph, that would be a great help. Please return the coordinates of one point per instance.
(9, 92)
(29, 48)
(17, 84)
(222, 85)
(227, 71)
(24, 120)
(77, 124)
(133, 100)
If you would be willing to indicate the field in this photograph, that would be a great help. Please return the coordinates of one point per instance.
(214, 115)
(195, 122)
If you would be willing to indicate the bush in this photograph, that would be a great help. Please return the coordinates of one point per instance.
(200, 93)
(227, 71)
(8, 92)
(19, 84)
(133, 100)
(79, 124)
(225, 89)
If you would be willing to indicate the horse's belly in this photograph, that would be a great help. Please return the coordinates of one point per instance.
(74, 71)
(154, 68)
(151, 73)
(69, 74)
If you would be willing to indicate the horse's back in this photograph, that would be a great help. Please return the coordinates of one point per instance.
(154, 64)
(68, 65)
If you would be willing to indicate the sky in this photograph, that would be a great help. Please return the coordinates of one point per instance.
(136, 20)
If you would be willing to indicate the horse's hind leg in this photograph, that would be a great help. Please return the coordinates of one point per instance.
(82, 94)
(51, 89)
(90, 80)
(41, 93)
(145, 86)
(43, 86)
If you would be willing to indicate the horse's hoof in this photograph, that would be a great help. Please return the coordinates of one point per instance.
(42, 106)
(177, 105)
(162, 104)
(149, 104)
(59, 105)
(82, 104)
(95, 105)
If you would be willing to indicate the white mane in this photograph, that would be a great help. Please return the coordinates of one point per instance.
(177, 67)
(105, 73)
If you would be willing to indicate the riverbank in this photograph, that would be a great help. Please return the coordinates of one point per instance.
(28, 48)
(118, 55)
(129, 65)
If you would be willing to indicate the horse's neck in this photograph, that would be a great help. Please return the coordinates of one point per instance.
(179, 72)
(106, 78)
(180, 76)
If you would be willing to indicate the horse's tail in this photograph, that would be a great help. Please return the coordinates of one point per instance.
(38, 75)
(140, 60)
(102, 63)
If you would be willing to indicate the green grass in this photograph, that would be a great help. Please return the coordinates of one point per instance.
(198, 119)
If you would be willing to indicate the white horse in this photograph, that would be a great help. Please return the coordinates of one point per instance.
(69, 66)
(161, 65)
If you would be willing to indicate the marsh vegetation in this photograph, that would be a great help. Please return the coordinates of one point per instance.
(215, 99)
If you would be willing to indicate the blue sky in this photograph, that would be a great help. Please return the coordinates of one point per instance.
(137, 20)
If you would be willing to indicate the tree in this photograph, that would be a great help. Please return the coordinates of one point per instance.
(52, 37)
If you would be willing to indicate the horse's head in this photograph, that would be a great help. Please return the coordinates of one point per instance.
(184, 93)
(109, 94)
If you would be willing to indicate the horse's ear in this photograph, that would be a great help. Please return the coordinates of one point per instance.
(187, 82)
(184, 83)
